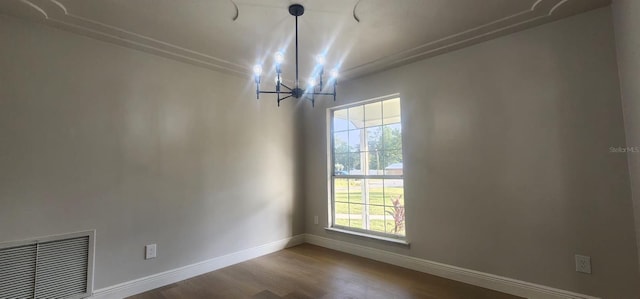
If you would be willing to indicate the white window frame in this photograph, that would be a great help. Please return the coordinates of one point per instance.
(331, 171)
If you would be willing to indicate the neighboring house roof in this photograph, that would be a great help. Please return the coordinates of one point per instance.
(394, 166)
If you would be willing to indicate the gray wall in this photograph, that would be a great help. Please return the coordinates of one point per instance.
(141, 148)
(626, 16)
(507, 163)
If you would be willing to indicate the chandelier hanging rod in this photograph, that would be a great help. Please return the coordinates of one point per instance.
(312, 89)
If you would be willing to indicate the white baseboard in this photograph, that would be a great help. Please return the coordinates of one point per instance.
(485, 280)
(144, 284)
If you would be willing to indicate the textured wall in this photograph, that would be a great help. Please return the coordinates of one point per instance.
(140, 148)
(507, 162)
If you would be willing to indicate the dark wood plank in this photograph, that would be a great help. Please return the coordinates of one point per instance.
(308, 271)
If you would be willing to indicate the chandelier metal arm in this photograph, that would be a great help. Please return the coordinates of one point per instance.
(290, 94)
(287, 87)
(282, 99)
(274, 92)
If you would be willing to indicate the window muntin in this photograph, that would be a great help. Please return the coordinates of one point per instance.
(367, 171)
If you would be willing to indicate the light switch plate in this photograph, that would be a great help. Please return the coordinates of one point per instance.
(151, 251)
(583, 264)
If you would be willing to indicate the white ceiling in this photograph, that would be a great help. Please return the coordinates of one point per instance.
(204, 32)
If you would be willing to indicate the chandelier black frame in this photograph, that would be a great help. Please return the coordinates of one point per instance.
(282, 90)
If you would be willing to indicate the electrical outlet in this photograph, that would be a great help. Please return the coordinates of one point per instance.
(151, 251)
(315, 220)
(583, 264)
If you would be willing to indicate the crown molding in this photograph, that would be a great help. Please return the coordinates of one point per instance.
(57, 15)
(540, 12)
(35, 7)
(54, 13)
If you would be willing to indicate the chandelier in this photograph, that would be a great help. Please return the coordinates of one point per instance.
(314, 85)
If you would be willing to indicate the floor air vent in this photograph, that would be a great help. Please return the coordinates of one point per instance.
(51, 267)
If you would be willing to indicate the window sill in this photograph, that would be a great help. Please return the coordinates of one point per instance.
(368, 236)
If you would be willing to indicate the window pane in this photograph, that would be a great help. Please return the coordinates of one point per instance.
(342, 213)
(356, 223)
(340, 190)
(340, 120)
(356, 160)
(342, 208)
(355, 215)
(343, 221)
(342, 164)
(340, 142)
(390, 226)
(376, 218)
(355, 191)
(393, 189)
(392, 136)
(376, 159)
(375, 204)
(356, 116)
(375, 191)
(374, 138)
(373, 114)
(393, 162)
(394, 202)
(391, 111)
(355, 140)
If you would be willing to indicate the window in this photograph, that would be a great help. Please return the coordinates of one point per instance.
(367, 174)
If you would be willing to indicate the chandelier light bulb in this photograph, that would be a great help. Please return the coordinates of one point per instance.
(278, 57)
(257, 70)
(334, 74)
(311, 82)
(277, 80)
(320, 59)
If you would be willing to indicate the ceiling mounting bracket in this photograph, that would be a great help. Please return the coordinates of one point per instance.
(296, 10)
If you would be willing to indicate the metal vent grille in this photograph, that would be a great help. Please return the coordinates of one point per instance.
(17, 271)
(53, 267)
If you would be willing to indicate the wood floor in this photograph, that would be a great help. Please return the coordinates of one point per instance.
(308, 271)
